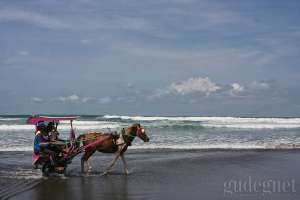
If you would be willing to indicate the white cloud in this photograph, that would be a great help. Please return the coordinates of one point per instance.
(250, 89)
(72, 97)
(236, 89)
(104, 100)
(23, 53)
(195, 85)
(255, 85)
(37, 99)
(204, 86)
(207, 58)
(86, 99)
(13, 14)
(85, 41)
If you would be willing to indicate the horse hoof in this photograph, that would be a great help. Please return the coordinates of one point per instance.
(105, 173)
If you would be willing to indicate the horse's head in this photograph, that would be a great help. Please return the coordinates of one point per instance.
(140, 132)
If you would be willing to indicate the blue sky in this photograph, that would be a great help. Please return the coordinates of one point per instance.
(180, 57)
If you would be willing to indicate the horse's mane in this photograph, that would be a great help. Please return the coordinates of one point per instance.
(136, 125)
(133, 127)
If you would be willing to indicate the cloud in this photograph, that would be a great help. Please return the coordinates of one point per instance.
(85, 41)
(255, 85)
(195, 85)
(23, 53)
(236, 89)
(104, 100)
(74, 98)
(86, 21)
(208, 59)
(86, 99)
(254, 88)
(37, 99)
(71, 98)
(18, 15)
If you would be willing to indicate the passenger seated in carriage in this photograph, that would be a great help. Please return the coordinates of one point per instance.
(42, 143)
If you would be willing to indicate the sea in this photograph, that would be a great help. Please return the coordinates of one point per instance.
(169, 132)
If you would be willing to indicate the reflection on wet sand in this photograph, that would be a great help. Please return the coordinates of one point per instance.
(174, 175)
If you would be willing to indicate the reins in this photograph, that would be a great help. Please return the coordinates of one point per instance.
(91, 138)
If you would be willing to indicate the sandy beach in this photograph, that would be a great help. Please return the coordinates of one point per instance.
(161, 174)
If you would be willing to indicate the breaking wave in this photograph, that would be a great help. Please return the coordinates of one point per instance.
(220, 146)
(219, 122)
(9, 119)
(78, 126)
(172, 132)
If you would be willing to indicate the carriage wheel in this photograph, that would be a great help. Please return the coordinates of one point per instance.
(65, 171)
(46, 169)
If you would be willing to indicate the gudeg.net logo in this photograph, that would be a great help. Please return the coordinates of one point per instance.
(263, 187)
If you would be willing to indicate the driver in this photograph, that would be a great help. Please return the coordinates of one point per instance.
(52, 132)
(57, 144)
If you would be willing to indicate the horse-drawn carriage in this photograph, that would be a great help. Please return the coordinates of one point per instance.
(65, 150)
(88, 143)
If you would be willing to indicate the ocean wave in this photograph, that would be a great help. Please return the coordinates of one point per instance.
(188, 147)
(82, 123)
(5, 127)
(9, 119)
(215, 122)
(201, 119)
(179, 127)
(254, 126)
(18, 127)
(217, 146)
(16, 148)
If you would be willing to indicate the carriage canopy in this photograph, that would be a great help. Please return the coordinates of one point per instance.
(36, 119)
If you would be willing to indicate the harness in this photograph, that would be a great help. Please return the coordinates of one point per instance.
(123, 138)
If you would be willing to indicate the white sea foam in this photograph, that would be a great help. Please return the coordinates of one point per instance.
(200, 119)
(226, 122)
(12, 127)
(81, 123)
(12, 137)
(9, 119)
(220, 146)
(17, 148)
(254, 126)
(187, 146)
(18, 127)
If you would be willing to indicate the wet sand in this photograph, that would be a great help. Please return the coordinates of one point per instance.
(161, 174)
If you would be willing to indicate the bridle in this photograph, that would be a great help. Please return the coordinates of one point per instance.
(140, 131)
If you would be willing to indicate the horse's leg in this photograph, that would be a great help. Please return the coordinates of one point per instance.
(85, 158)
(124, 164)
(82, 162)
(112, 163)
(88, 162)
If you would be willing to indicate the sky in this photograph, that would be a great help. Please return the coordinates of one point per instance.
(162, 57)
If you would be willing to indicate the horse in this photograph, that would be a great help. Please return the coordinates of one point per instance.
(110, 143)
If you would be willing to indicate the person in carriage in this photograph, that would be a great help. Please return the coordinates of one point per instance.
(42, 144)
